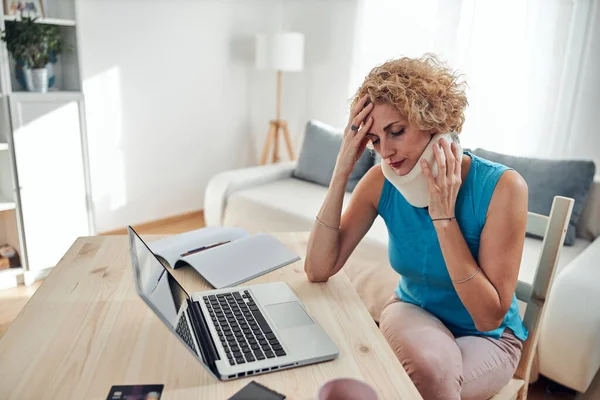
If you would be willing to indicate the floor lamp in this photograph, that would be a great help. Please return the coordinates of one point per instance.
(282, 51)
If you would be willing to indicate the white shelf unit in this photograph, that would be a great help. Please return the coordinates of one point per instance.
(6, 199)
(6, 204)
(58, 96)
(49, 21)
(66, 69)
(11, 277)
(45, 192)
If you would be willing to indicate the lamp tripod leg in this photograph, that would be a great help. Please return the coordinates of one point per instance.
(276, 142)
(270, 137)
(288, 140)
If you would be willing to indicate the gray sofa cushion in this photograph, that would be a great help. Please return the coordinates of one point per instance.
(548, 178)
(318, 155)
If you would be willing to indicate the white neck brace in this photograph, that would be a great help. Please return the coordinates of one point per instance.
(414, 186)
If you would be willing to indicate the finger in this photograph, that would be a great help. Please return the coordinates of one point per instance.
(359, 119)
(456, 152)
(362, 146)
(361, 137)
(362, 132)
(358, 106)
(449, 156)
(428, 174)
(441, 164)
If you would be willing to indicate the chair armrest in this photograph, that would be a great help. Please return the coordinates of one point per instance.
(569, 343)
(222, 185)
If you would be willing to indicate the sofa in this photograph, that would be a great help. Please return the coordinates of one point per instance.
(276, 198)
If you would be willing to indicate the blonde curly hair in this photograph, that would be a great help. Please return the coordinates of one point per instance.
(424, 90)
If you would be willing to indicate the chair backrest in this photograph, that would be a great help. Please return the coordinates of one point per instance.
(552, 229)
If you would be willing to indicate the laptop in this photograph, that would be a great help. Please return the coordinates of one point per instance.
(233, 332)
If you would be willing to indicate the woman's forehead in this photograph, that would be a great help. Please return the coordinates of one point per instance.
(384, 114)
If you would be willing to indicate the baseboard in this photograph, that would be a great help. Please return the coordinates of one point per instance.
(32, 276)
(157, 223)
(11, 277)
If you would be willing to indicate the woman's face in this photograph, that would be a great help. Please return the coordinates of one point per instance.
(397, 142)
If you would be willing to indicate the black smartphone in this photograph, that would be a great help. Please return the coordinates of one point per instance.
(256, 391)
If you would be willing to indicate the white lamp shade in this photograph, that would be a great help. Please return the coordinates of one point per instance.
(280, 51)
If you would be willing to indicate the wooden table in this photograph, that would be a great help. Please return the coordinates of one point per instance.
(86, 329)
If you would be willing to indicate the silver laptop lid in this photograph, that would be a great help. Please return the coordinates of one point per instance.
(158, 288)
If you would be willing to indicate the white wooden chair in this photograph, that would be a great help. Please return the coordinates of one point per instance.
(553, 229)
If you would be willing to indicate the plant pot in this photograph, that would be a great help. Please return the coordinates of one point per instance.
(20, 74)
(36, 79)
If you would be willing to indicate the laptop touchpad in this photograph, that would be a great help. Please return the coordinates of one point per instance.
(288, 315)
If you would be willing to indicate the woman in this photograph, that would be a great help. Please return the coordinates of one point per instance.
(453, 321)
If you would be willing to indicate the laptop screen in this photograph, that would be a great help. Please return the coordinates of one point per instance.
(155, 284)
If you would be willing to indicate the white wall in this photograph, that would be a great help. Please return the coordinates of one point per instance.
(165, 103)
(172, 96)
(584, 132)
(329, 27)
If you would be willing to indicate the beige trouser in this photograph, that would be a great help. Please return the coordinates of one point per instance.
(442, 366)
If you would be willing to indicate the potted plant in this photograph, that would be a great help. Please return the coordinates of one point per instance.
(33, 46)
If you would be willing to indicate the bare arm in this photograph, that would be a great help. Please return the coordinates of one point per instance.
(488, 296)
(486, 293)
(329, 250)
(332, 236)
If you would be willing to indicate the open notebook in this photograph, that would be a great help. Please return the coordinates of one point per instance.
(242, 257)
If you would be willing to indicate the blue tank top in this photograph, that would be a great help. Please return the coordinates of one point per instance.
(415, 253)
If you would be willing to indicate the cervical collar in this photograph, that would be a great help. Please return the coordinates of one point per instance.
(414, 186)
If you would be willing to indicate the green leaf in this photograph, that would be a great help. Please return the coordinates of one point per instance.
(31, 42)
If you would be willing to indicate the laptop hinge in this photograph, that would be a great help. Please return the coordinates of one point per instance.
(203, 337)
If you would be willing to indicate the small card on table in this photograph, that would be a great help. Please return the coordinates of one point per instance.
(135, 392)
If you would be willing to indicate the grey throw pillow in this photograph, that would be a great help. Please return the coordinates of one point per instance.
(318, 155)
(548, 178)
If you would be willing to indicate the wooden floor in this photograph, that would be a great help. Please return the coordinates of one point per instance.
(13, 300)
(171, 225)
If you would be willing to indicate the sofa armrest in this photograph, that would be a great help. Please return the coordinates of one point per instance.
(222, 185)
(569, 344)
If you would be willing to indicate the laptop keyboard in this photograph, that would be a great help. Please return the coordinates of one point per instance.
(243, 331)
(183, 330)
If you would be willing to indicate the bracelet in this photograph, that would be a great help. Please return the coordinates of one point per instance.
(443, 219)
(327, 226)
(469, 278)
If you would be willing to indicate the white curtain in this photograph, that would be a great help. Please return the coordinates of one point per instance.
(517, 57)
